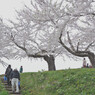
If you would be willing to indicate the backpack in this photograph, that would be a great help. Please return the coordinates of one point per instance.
(9, 71)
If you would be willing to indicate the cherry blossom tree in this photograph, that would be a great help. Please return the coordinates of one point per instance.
(3, 44)
(29, 38)
(67, 15)
(48, 28)
(29, 42)
(82, 42)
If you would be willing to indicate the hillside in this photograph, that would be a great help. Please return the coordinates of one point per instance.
(69, 82)
(2, 89)
(63, 82)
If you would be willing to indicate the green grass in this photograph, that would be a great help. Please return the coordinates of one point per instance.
(2, 89)
(69, 82)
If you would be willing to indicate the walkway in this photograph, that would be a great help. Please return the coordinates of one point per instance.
(8, 88)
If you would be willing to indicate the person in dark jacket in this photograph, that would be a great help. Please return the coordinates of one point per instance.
(7, 74)
(15, 77)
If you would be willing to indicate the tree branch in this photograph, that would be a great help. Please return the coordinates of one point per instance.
(36, 55)
(78, 45)
(35, 43)
(89, 46)
(3, 63)
(76, 53)
(70, 42)
(81, 14)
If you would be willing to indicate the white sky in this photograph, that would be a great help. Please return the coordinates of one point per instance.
(7, 10)
(8, 7)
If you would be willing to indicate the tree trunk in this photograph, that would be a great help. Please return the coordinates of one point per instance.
(91, 57)
(51, 62)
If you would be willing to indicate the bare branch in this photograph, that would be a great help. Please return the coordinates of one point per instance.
(35, 43)
(81, 14)
(36, 55)
(78, 45)
(89, 46)
(60, 41)
(13, 39)
(3, 63)
(70, 42)
(79, 53)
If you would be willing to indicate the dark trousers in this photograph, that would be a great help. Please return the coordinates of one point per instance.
(19, 87)
(8, 81)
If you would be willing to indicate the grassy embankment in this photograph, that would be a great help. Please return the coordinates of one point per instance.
(2, 89)
(69, 82)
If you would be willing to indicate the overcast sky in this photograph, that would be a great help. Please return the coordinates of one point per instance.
(8, 7)
(7, 11)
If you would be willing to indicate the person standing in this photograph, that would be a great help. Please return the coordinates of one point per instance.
(87, 65)
(15, 77)
(21, 69)
(7, 74)
(84, 62)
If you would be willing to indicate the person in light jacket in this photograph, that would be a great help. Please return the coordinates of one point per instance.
(84, 62)
(15, 77)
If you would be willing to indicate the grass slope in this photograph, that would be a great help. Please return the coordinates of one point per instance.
(2, 89)
(69, 82)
